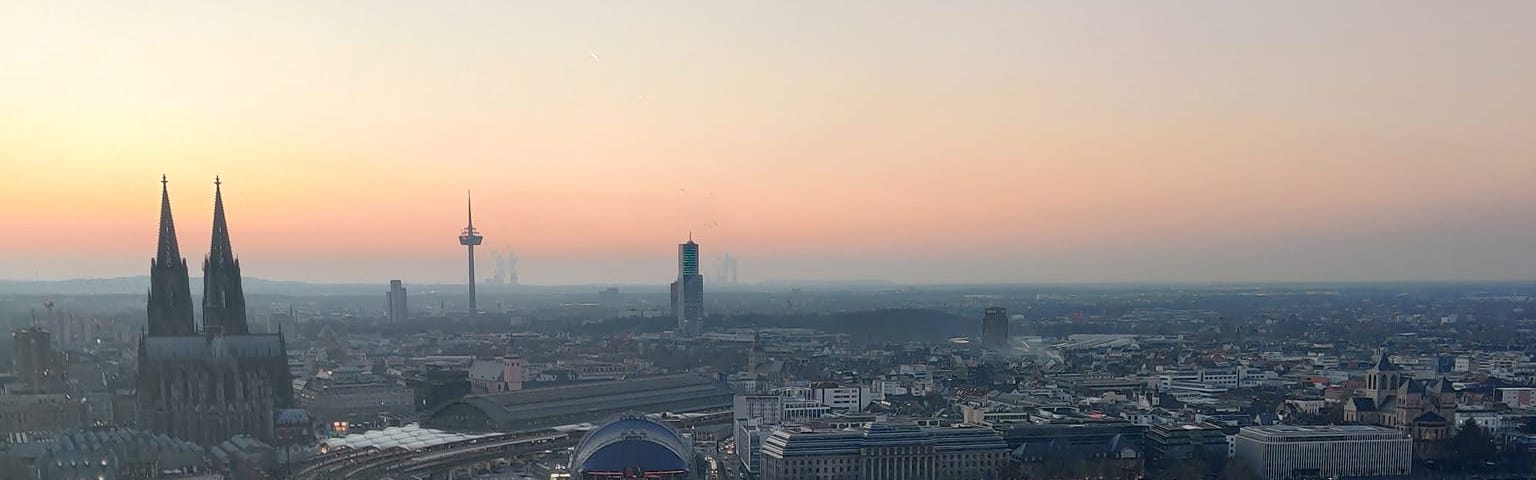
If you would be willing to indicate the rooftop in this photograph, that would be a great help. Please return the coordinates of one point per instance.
(409, 437)
(1312, 429)
(1320, 433)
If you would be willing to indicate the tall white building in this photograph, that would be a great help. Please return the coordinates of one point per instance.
(1352, 451)
(769, 409)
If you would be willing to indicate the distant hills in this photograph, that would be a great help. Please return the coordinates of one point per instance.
(139, 285)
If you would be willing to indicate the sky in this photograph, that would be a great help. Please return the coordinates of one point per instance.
(915, 142)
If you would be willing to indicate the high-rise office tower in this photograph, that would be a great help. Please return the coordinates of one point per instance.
(498, 276)
(34, 356)
(469, 238)
(994, 328)
(727, 271)
(688, 290)
(395, 299)
(223, 298)
(511, 268)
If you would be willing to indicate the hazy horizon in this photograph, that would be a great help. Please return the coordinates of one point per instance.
(909, 142)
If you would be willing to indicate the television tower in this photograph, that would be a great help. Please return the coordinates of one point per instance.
(469, 238)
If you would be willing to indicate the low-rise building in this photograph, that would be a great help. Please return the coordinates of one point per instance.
(503, 374)
(843, 398)
(1350, 451)
(769, 409)
(1178, 441)
(1518, 397)
(102, 453)
(1083, 450)
(42, 412)
(894, 451)
(342, 394)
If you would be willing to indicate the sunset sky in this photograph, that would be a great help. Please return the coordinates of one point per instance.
(922, 142)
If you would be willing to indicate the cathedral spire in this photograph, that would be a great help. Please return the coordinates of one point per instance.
(168, 251)
(219, 250)
(223, 297)
(170, 296)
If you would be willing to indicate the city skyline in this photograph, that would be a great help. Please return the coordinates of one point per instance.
(994, 239)
(1272, 142)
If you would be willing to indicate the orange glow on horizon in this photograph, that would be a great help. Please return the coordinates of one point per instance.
(991, 142)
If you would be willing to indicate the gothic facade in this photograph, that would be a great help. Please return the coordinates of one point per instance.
(206, 385)
(1422, 408)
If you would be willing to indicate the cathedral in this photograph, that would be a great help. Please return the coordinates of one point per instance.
(1423, 408)
(206, 385)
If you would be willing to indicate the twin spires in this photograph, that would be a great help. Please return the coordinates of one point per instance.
(170, 299)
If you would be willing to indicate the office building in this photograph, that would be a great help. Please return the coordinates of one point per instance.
(767, 408)
(727, 273)
(344, 393)
(33, 363)
(776, 409)
(1347, 451)
(842, 398)
(1210, 378)
(994, 328)
(395, 303)
(436, 385)
(688, 290)
(609, 298)
(1178, 441)
(756, 416)
(886, 451)
(749, 435)
(1081, 450)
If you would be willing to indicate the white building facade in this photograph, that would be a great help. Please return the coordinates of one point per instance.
(1352, 451)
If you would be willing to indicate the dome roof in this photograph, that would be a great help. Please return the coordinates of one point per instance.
(632, 444)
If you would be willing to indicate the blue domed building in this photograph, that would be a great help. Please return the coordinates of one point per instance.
(633, 447)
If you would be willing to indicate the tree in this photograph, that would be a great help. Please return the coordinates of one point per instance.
(1473, 445)
(1335, 414)
(1238, 470)
(1193, 466)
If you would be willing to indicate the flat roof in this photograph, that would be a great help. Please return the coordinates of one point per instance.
(1312, 429)
(1323, 433)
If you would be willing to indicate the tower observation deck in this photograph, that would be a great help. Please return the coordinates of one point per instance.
(470, 238)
